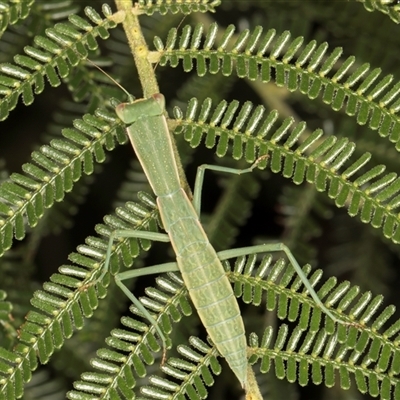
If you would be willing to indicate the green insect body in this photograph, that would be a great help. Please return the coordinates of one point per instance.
(198, 262)
(196, 259)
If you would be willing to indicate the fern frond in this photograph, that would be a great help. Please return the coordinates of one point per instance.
(195, 370)
(149, 7)
(59, 216)
(137, 339)
(16, 280)
(84, 80)
(282, 287)
(168, 304)
(358, 95)
(376, 370)
(71, 296)
(284, 294)
(8, 333)
(5, 306)
(74, 357)
(66, 41)
(389, 7)
(55, 169)
(12, 12)
(319, 356)
(373, 195)
(45, 14)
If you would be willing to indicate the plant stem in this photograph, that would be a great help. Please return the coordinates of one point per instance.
(138, 48)
(145, 69)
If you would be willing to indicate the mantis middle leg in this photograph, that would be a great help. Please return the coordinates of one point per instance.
(155, 269)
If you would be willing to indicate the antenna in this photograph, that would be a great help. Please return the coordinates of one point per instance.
(130, 97)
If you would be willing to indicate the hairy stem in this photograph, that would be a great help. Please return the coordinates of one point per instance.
(145, 69)
(138, 48)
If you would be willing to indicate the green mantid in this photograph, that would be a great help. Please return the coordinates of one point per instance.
(196, 259)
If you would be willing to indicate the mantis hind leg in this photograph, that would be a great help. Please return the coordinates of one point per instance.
(275, 247)
(154, 269)
(126, 233)
(271, 247)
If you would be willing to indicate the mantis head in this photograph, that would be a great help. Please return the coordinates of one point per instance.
(131, 112)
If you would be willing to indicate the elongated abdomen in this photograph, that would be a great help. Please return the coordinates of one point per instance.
(213, 297)
(206, 280)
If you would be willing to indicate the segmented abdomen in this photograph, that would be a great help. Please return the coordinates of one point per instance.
(206, 280)
(213, 297)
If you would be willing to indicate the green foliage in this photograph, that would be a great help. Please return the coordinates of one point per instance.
(320, 104)
(150, 7)
(49, 53)
(389, 7)
(12, 12)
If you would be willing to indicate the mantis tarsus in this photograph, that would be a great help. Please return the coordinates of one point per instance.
(198, 262)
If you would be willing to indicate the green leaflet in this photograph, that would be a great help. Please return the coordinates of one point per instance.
(373, 195)
(48, 59)
(318, 161)
(251, 55)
